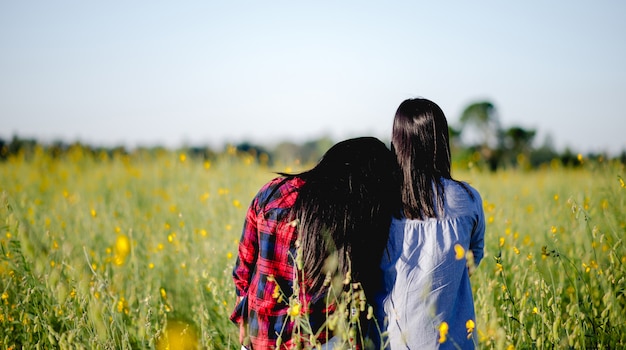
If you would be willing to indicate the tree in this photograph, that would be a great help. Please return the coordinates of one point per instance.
(518, 144)
(480, 122)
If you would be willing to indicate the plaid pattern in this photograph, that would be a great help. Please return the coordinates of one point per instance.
(267, 248)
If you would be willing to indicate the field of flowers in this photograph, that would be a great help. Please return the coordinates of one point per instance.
(116, 251)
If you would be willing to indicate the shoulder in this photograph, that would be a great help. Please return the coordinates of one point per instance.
(461, 199)
(279, 192)
(460, 189)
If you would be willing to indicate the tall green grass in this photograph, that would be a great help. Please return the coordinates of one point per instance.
(554, 273)
(135, 252)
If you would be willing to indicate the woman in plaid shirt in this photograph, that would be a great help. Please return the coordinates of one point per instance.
(343, 206)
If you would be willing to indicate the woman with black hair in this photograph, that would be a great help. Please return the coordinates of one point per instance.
(436, 241)
(338, 211)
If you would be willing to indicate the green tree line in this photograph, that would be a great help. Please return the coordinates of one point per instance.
(479, 140)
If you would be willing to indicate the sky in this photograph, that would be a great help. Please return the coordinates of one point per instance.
(146, 73)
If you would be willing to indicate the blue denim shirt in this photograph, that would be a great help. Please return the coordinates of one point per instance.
(426, 277)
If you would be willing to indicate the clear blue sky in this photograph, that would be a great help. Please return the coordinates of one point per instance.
(208, 72)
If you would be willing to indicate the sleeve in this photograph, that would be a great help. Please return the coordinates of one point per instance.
(246, 259)
(477, 242)
(248, 251)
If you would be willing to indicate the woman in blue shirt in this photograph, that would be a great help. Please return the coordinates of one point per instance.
(436, 240)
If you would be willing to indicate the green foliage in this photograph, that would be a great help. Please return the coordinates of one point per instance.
(554, 273)
(134, 251)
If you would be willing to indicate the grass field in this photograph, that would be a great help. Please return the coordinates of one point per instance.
(135, 252)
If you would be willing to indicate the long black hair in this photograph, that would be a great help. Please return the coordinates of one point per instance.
(344, 211)
(421, 144)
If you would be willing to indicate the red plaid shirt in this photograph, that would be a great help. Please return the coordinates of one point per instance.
(267, 248)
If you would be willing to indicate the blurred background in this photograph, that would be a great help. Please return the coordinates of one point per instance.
(521, 83)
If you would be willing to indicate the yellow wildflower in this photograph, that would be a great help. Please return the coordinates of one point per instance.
(121, 304)
(295, 310)
(499, 267)
(178, 335)
(470, 325)
(443, 332)
(122, 246)
(276, 292)
(459, 251)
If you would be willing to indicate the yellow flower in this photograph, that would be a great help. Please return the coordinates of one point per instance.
(178, 335)
(122, 246)
(501, 242)
(443, 332)
(499, 267)
(229, 255)
(295, 310)
(121, 304)
(204, 196)
(276, 292)
(470, 325)
(459, 251)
